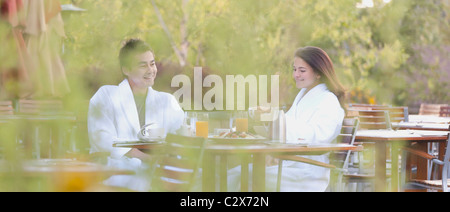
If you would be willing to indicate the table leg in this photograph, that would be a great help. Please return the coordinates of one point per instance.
(442, 148)
(380, 166)
(208, 176)
(280, 169)
(36, 142)
(422, 164)
(223, 168)
(394, 165)
(259, 172)
(244, 172)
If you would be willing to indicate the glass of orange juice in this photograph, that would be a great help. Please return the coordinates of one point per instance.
(241, 119)
(201, 125)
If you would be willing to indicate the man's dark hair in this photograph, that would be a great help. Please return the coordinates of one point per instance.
(130, 49)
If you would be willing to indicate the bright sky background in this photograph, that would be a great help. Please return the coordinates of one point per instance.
(368, 3)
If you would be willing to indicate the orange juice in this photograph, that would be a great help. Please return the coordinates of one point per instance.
(201, 129)
(242, 124)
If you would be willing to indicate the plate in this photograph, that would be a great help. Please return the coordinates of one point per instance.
(257, 139)
(153, 141)
(431, 133)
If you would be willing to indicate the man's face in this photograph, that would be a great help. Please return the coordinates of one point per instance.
(142, 71)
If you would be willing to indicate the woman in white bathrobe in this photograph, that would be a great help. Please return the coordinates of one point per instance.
(119, 112)
(315, 116)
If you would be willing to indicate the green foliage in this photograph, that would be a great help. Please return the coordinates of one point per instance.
(372, 48)
(8, 52)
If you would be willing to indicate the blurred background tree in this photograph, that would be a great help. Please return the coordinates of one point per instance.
(392, 52)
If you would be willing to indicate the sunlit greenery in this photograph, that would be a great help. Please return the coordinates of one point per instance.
(375, 50)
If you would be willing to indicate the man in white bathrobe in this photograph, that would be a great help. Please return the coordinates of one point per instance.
(119, 112)
(315, 117)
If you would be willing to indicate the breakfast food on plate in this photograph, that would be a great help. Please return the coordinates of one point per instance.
(236, 134)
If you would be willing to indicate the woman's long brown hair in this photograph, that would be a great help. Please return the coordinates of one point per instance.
(321, 63)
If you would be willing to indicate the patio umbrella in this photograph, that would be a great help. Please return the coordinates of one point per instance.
(44, 29)
(37, 33)
(14, 79)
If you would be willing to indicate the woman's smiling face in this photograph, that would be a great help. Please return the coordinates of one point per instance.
(304, 75)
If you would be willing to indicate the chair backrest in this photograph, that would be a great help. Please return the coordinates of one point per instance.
(177, 167)
(353, 108)
(430, 109)
(374, 119)
(444, 111)
(348, 131)
(367, 106)
(28, 106)
(6, 108)
(445, 168)
(396, 114)
(347, 136)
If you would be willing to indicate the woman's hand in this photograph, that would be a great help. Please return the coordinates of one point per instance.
(256, 112)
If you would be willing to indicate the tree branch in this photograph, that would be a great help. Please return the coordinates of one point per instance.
(180, 55)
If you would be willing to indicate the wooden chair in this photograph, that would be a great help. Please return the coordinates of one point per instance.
(45, 136)
(7, 130)
(444, 111)
(430, 109)
(359, 106)
(176, 169)
(368, 120)
(366, 106)
(6, 108)
(339, 160)
(396, 114)
(441, 184)
(29, 106)
(374, 119)
(434, 110)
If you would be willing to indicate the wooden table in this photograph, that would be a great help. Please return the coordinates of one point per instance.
(255, 151)
(56, 174)
(39, 117)
(396, 138)
(45, 133)
(428, 119)
(421, 126)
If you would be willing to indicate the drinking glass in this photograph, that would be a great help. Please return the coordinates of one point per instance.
(201, 125)
(241, 121)
(191, 119)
